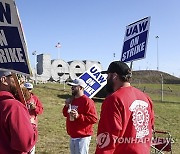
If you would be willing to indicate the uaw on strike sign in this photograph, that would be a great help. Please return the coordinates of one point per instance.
(13, 50)
(135, 40)
(94, 80)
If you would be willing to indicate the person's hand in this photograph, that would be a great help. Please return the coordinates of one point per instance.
(74, 113)
(32, 106)
(68, 101)
(33, 120)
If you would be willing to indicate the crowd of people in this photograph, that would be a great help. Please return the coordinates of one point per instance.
(125, 124)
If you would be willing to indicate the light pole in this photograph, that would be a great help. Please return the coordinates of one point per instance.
(162, 88)
(64, 85)
(157, 37)
(58, 46)
(35, 67)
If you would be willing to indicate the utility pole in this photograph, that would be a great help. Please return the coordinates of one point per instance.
(161, 88)
(64, 84)
(157, 37)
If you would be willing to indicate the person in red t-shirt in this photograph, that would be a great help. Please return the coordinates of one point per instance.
(127, 115)
(18, 134)
(34, 106)
(80, 113)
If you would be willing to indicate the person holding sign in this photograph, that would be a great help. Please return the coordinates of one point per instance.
(17, 133)
(127, 115)
(80, 113)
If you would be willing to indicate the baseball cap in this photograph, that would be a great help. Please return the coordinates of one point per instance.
(28, 85)
(5, 73)
(77, 82)
(119, 67)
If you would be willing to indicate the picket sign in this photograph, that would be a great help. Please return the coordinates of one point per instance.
(94, 80)
(135, 40)
(13, 50)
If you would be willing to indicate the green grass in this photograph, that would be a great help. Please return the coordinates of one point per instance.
(171, 92)
(53, 138)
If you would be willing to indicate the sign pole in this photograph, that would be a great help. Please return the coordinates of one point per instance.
(131, 65)
(161, 88)
(20, 93)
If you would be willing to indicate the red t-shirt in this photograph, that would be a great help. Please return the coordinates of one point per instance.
(126, 123)
(83, 125)
(17, 134)
(35, 100)
(38, 110)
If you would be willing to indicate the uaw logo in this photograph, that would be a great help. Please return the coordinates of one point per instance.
(140, 117)
(103, 140)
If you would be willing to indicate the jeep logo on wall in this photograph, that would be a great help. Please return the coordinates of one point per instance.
(59, 70)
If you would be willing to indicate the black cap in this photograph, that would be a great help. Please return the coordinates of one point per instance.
(119, 67)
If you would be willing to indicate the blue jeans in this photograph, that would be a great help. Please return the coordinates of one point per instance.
(80, 145)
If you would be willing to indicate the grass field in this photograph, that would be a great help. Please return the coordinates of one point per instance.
(53, 138)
